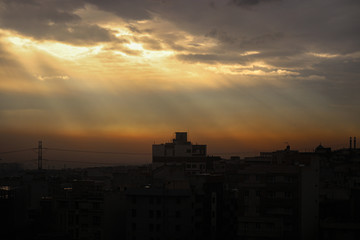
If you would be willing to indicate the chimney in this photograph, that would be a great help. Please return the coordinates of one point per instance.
(354, 142)
(350, 143)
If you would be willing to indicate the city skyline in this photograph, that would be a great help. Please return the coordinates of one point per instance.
(80, 154)
(238, 75)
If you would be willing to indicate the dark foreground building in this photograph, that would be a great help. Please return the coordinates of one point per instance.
(185, 194)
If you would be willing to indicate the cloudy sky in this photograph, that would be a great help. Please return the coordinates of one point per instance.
(239, 75)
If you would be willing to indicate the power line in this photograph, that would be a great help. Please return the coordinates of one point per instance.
(16, 151)
(82, 162)
(92, 151)
(20, 161)
(74, 150)
(26, 160)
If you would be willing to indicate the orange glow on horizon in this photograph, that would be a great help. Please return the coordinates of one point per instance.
(98, 75)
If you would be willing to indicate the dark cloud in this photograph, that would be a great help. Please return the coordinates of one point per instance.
(128, 9)
(340, 70)
(51, 20)
(250, 2)
(82, 34)
(264, 39)
(222, 36)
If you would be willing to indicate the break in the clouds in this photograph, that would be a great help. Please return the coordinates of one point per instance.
(289, 36)
(237, 67)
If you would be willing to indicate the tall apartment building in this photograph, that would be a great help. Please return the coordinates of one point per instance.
(277, 197)
(179, 149)
(79, 210)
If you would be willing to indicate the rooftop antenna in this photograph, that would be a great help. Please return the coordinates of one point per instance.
(350, 143)
(287, 146)
(40, 155)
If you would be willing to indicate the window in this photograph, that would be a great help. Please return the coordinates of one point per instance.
(133, 212)
(71, 219)
(213, 214)
(271, 179)
(96, 220)
(271, 194)
(288, 195)
(97, 235)
(289, 179)
(198, 212)
(246, 226)
(280, 195)
(151, 213)
(279, 179)
(96, 205)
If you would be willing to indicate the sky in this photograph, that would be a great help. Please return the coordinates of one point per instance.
(239, 75)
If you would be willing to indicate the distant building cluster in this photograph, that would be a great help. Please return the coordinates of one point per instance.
(186, 194)
(178, 150)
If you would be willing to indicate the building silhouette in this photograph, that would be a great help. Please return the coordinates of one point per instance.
(185, 194)
(177, 150)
